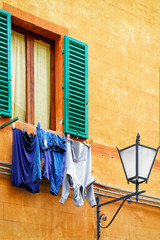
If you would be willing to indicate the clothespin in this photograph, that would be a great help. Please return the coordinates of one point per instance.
(45, 142)
(33, 132)
(13, 125)
(24, 129)
(68, 136)
(86, 142)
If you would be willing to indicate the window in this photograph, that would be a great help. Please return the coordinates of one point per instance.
(29, 48)
(37, 88)
(34, 43)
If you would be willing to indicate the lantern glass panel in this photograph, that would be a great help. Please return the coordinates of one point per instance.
(146, 158)
(128, 157)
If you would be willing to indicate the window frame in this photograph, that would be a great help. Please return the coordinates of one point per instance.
(30, 100)
(53, 32)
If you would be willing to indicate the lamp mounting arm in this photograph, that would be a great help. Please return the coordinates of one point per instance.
(103, 217)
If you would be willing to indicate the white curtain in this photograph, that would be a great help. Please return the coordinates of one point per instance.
(42, 83)
(18, 63)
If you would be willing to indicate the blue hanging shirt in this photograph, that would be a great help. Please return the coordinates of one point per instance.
(53, 148)
(24, 151)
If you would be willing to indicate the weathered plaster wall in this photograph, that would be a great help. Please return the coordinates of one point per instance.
(123, 38)
(124, 45)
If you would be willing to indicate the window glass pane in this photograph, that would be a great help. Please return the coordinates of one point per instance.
(42, 84)
(18, 60)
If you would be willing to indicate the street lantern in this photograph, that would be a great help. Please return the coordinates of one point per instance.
(137, 161)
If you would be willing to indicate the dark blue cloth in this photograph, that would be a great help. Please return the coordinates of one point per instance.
(53, 147)
(24, 151)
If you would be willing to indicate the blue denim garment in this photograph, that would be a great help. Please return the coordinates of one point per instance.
(47, 165)
(57, 173)
(57, 142)
(57, 145)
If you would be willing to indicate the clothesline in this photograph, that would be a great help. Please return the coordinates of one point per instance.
(33, 125)
(60, 133)
(102, 190)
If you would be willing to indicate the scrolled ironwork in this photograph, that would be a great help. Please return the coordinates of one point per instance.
(129, 201)
(103, 216)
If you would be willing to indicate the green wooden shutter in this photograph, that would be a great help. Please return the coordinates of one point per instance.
(5, 64)
(75, 87)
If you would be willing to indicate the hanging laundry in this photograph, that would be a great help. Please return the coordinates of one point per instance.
(78, 174)
(24, 151)
(47, 165)
(52, 148)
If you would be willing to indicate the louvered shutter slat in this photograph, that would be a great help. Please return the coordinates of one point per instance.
(3, 68)
(76, 97)
(77, 63)
(3, 73)
(3, 19)
(3, 39)
(3, 91)
(3, 78)
(77, 71)
(75, 87)
(3, 57)
(3, 85)
(74, 107)
(78, 54)
(75, 74)
(78, 84)
(76, 79)
(5, 64)
(2, 24)
(77, 66)
(77, 128)
(75, 91)
(80, 120)
(78, 58)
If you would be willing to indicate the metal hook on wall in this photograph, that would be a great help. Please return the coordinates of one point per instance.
(103, 217)
(9, 122)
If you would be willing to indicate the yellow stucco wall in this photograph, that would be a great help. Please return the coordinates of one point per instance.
(123, 38)
(124, 56)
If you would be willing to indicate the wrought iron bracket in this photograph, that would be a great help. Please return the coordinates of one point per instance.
(103, 217)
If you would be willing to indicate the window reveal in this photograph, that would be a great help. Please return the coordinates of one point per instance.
(32, 85)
